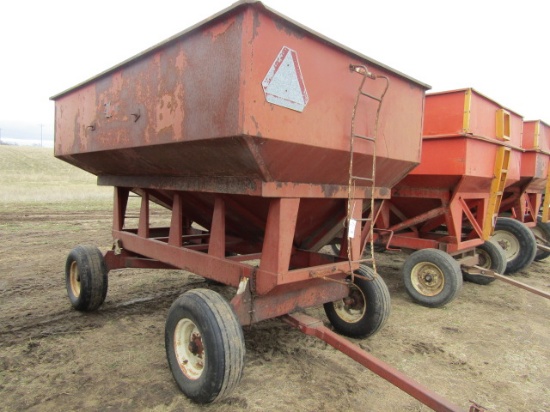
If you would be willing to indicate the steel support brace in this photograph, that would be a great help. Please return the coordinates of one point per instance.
(216, 245)
(121, 203)
(314, 327)
(439, 211)
(277, 246)
(355, 241)
(471, 218)
(251, 308)
(143, 228)
(176, 224)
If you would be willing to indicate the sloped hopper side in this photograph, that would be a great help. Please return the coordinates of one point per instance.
(195, 106)
(197, 113)
(535, 160)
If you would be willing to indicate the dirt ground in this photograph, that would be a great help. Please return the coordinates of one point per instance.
(491, 345)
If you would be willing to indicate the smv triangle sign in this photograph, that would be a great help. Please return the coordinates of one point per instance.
(283, 84)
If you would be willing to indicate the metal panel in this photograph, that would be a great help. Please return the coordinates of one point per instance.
(194, 106)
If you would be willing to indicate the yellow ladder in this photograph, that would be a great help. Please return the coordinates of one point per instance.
(502, 162)
(368, 180)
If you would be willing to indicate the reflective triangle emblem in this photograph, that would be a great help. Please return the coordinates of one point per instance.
(283, 84)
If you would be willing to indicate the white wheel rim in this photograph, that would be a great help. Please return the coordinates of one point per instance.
(352, 308)
(74, 279)
(508, 242)
(189, 349)
(485, 260)
(427, 279)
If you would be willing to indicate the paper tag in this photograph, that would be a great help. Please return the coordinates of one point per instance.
(351, 229)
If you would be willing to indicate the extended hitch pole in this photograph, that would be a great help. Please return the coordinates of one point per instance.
(477, 270)
(314, 327)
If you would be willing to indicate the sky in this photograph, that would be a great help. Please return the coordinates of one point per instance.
(498, 47)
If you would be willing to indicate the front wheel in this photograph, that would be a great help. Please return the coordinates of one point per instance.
(86, 278)
(542, 230)
(518, 243)
(365, 310)
(491, 256)
(432, 277)
(204, 345)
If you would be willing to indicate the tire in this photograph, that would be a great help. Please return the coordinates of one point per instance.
(542, 230)
(335, 249)
(86, 278)
(366, 309)
(432, 277)
(204, 345)
(518, 242)
(491, 256)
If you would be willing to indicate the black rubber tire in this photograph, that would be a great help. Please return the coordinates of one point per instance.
(518, 242)
(491, 256)
(437, 277)
(204, 313)
(542, 230)
(86, 278)
(335, 249)
(370, 309)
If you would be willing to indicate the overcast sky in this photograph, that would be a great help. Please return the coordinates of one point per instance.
(499, 47)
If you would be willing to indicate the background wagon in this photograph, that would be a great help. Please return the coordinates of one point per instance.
(525, 200)
(446, 208)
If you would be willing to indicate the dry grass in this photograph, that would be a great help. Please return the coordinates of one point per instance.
(32, 175)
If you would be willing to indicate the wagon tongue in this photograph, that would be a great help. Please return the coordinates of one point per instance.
(314, 327)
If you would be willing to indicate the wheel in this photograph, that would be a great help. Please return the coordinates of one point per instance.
(204, 345)
(432, 277)
(365, 310)
(518, 242)
(491, 256)
(86, 278)
(542, 230)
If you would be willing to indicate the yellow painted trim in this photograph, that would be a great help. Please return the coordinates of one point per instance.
(546, 204)
(467, 111)
(503, 124)
(536, 138)
(502, 161)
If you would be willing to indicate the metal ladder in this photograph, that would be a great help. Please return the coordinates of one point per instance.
(502, 162)
(353, 177)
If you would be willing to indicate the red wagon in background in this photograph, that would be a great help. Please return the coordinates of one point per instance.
(526, 200)
(445, 210)
(257, 136)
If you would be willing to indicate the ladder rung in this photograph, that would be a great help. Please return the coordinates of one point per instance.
(370, 139)
(371, 96)
(368, 179)
(364, 219)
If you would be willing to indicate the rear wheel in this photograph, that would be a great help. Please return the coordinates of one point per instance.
(517, 241)
(204, 345)
(365, 310)
(491, 256)
(432, 277)
(86, 278)
(541, 230)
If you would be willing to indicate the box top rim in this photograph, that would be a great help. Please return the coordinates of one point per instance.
(235, 7)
